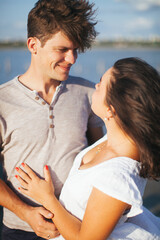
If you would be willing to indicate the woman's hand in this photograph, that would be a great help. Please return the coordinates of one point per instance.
(33, 186)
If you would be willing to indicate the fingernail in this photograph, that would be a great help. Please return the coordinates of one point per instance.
(46, 167)
(22, 164)
(50, 215)
(17, 169)
(16, 176)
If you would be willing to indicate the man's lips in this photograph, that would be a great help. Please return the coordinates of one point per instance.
(65, 67)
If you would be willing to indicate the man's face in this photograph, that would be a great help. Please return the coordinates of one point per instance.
(56, 57)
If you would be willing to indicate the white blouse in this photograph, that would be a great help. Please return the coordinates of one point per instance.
(118, 178)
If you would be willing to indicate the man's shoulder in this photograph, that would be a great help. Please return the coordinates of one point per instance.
(80, 82)
(5, 86)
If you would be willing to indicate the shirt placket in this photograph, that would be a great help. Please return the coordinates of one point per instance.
(50, 106)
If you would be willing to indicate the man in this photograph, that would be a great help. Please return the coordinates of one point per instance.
(45, 114)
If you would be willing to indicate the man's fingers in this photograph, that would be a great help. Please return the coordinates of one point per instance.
(46, 214)
(50, 230)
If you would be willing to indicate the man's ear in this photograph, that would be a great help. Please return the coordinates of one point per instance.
(32, 44)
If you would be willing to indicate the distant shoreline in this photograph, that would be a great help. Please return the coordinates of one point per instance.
(128, 44)
(98, 44)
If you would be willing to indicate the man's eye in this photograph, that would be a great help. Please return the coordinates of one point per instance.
(61, 50)
(64, 50)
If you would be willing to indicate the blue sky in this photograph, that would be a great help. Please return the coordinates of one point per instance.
(117, 19)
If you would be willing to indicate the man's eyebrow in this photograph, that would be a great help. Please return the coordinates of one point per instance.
(56, 47)
(63, 47)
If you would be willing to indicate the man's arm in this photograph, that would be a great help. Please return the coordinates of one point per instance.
(94, 134)
(34, 216)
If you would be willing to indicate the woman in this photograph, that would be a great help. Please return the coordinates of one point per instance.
(102, 197)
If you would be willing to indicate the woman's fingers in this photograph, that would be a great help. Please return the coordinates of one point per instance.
(23, 183)
(34, 186)
(47, 174)
(23, 175)
(29, 171)
(24, 191)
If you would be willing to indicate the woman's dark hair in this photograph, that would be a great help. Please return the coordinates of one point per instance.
(134, 92)
(75, 18)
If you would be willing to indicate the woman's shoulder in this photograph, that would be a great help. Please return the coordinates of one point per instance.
(123, 164)
(122, 171)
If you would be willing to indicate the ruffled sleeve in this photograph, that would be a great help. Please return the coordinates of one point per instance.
(119, 178)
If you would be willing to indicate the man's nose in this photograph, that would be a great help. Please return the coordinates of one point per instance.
(71, 56)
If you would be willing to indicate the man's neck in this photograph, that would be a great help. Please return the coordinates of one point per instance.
(44, 87)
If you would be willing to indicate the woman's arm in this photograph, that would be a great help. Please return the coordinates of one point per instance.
(101, 215)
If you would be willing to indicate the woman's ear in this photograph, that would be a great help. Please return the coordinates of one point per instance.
(110, 112)
(32, 44)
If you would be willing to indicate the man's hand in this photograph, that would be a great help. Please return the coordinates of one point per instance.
(37, 217)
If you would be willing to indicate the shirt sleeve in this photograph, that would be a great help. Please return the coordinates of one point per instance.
(121, 183)
(0, 132)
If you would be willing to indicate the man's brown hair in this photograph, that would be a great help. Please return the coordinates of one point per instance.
(75, 18)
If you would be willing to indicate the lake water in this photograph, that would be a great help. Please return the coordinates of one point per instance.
(90, 65)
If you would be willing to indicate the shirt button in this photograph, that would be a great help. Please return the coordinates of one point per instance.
(50, 108)
(43, 103)
(51, 116)
(37, 98)
(51, 126)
